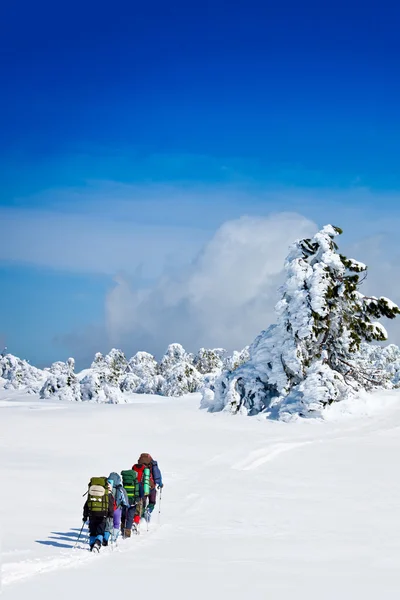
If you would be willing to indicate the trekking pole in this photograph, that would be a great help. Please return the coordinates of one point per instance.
(159, 507)
(80, 533)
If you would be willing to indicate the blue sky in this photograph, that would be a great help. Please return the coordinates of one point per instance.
(130, 132)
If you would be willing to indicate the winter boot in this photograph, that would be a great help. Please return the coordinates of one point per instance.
(105, 542)
(96, 546)
(127, 533)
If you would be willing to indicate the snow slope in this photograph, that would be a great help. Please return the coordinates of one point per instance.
(250, 509)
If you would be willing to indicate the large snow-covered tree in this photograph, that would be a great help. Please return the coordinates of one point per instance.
(310, 357)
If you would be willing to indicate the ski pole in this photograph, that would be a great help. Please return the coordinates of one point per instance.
(159, 507)
(80, 533)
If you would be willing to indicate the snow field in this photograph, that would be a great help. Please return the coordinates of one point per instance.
(250, 507)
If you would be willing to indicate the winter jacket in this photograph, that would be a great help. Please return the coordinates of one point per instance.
(156, 473)
(110, 512)
(121, 497)
(147, 461)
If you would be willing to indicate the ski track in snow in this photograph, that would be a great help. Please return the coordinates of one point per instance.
(259, 457)
(204, 477)
(14, 572)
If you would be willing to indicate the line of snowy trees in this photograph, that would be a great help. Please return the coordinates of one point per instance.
(112, 377)
(319, 350)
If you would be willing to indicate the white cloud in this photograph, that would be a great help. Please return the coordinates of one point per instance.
(92, 243)
(224, 298)
(207, 288)
(108, 227)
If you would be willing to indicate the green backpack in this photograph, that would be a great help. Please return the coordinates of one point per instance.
(131, 484)
(98, 497)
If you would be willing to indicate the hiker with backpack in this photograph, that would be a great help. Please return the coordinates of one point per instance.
(99, 506)
(120, 500)
(132, 511)
(150, 480)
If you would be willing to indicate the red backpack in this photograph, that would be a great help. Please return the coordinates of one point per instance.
(140, 473)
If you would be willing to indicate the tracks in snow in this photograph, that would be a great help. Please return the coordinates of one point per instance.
(14, 572)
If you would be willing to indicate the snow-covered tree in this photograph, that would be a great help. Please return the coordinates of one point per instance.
(143, 365)
(142, 375)
(382, 363)
(94, 388)
(209, 360)
(130, 383)
(174, 355)
(113, 365)
(102, 382)
(310, 357)
(62, 383)
(20, 374)
(179, 375)
(182, 378)
(236, 359)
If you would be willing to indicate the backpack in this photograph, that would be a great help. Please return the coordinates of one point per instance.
(98, 499)
(131, 485)
(117, 490)
(145, 478)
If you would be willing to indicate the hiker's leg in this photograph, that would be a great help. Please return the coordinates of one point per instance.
(129, 517)
(108, 529)
(117, 518)
(101, 523)
(123, 517)
(138, 511)
(92, 531)
(152, 499)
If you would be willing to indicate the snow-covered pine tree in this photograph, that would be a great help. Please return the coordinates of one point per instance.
(310, 357)
(101, 383)
(382, 363)
(116, 364)
(142, 375)
(111, 367)
(174, 355)
(209, 360)
(20, 374)
(179, 374)
(236, 359)
(182, 378)
(62, 383)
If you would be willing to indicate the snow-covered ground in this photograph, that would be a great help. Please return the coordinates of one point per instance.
(250, 509)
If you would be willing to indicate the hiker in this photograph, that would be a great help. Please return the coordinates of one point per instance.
(150, 480)
(132, 511)
(120, 500)
(98, 507)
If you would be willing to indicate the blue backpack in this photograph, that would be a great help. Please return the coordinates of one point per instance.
(117, 490)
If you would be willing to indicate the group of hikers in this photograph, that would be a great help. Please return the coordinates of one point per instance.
(117, 503)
